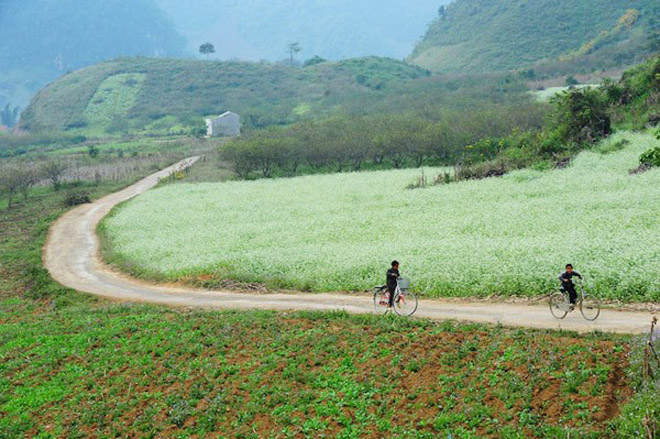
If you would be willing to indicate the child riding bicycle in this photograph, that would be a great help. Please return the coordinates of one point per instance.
(567, 285)
(392, 276)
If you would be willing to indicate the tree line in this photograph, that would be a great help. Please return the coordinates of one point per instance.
(487, 141)
(346, 143)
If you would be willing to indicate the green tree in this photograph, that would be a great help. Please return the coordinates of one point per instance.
(207, 49)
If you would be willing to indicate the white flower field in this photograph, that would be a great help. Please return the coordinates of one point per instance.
(505, 236)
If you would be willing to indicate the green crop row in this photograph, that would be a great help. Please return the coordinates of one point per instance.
(139, 371)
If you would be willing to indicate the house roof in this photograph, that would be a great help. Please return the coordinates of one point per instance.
(223, 115)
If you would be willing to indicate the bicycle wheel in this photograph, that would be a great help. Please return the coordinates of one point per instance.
(405, 304)
(558, 306)
(381, 301)
(590, 307)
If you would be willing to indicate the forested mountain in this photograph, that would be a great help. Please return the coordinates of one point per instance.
(333, 29)
(42, 39)
(490, 35)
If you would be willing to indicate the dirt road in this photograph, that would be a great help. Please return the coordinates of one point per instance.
(72, 257)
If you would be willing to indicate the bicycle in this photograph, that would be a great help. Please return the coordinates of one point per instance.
(405, 301)
(560, 305)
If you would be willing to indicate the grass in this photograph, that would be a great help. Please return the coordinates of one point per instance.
(133, 146)
(508, 236)
(138, 371)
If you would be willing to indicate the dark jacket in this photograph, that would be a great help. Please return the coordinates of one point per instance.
(392, 276)
(566, 278)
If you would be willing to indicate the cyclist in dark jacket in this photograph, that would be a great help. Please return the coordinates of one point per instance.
(566, 279)
(392, 276)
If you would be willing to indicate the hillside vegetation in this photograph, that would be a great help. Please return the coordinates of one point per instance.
(173, 96)
(505, 236)
(486, 35)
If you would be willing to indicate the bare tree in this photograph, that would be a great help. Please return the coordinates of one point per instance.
(293, 49)
(17, 179)
(27, 178)
(53, 171)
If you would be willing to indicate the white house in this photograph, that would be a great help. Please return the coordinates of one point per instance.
(227, 124)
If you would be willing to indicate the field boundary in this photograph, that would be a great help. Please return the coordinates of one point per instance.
(73, 258)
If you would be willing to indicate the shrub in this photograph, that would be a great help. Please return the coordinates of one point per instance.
(77, 197)
(314, 61)
(198, 132)
(480, 171)
(580, 117)
(78, 139)
(651, 157)
(76, 124)
(93, 151)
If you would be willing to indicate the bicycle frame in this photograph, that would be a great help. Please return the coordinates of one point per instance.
(400, 299)
(581, 296)
(592, 304)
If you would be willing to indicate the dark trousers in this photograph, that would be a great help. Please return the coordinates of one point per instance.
(391, 290)
(572, 294)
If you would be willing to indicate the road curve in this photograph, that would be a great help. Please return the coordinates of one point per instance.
(72, 256)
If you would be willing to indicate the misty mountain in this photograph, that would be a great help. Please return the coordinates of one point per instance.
(43, 39)
(333, 29)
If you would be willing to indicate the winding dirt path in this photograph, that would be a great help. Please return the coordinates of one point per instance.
(72, 257)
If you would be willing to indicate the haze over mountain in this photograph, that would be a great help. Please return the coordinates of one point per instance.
(43, 39)
(333, 29)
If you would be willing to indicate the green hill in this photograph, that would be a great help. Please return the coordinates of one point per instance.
(493, 35)
(142, 95)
